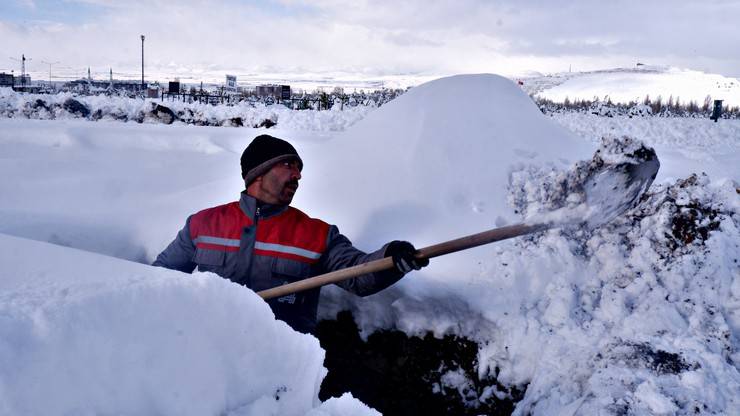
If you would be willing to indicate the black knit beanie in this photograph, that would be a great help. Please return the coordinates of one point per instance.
(263, 153)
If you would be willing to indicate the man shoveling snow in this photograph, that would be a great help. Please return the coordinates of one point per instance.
(262, 242)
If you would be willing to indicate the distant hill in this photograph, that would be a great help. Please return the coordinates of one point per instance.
(623, 85)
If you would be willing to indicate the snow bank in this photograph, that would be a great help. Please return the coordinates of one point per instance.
(85, 334)
(113, 188)
(65, 106)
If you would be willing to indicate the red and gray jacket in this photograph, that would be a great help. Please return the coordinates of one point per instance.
(269, 245)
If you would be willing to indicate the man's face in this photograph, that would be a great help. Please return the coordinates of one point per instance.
(279, 184)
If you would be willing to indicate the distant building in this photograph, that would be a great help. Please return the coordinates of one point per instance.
(6, 80)
(132, 86)
(23, 80)
(276, 91)
(19, 84)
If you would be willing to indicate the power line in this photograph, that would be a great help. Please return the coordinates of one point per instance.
(50, 64)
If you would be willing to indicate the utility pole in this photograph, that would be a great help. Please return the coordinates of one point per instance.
(50, 64)
(142, 62)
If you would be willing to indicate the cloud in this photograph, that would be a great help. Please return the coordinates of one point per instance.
(432, 37)
(30, 4)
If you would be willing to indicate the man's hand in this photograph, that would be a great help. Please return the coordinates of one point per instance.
(403, 256)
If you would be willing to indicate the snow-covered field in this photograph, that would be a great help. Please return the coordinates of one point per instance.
(641, 316)
(623, 85)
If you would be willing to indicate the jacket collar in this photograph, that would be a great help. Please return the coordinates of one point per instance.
(249, 205)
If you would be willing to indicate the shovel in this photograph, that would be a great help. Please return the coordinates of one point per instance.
(609, 192)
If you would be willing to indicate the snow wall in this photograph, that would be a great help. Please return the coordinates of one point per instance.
(82, 333)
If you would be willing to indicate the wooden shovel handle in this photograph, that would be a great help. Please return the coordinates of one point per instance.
(475, 240)
(386, 263)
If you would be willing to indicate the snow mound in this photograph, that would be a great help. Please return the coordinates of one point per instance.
(86, 334)
(652, 314)
(439, 156)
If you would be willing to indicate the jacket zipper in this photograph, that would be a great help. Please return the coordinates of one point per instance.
(251, 255)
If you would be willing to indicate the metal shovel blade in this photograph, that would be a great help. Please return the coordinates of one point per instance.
(617, 188)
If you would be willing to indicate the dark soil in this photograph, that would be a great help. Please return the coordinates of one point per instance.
(662, 362)
(692, 222)
(75, 107)
(643, 355)
(165, 114)
(266, 123)
(401, 375)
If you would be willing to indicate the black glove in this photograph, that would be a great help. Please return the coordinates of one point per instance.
(403, 256)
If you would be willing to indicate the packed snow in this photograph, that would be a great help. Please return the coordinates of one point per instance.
(640, 316)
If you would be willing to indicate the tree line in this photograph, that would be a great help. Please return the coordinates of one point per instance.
(672, 107)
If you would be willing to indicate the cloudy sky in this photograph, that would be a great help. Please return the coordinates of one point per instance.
(362, 38)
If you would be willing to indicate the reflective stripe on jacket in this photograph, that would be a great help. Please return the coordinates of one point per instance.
(267, 246)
